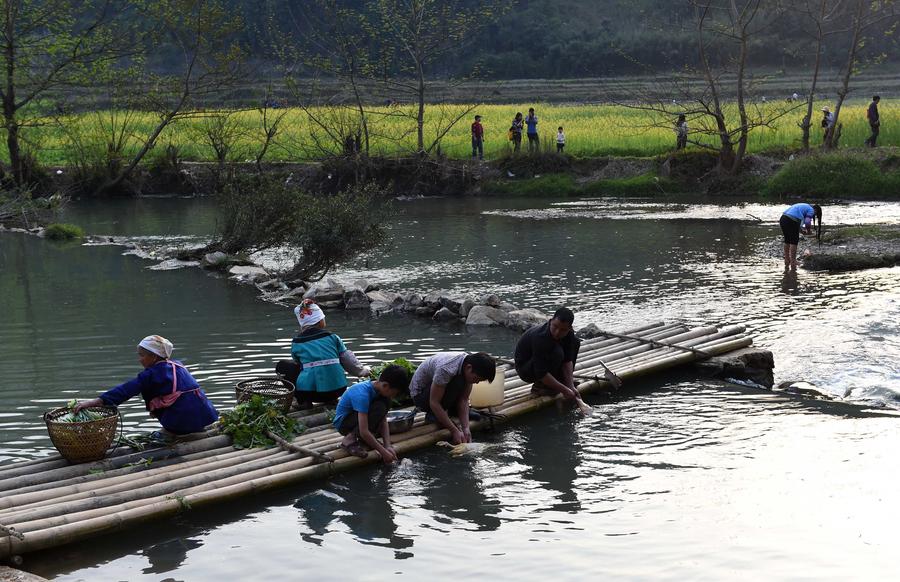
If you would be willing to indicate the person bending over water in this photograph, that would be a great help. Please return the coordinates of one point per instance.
(546, 354)
(444, 382)
(320, 359)
(362, 411)
(170, 393)
(792, 220)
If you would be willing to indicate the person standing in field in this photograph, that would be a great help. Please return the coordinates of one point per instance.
(515, 131)
(477, 138)
(560, 140)
(827, 122)
(532, 121)
(681, 132)
(874, 121)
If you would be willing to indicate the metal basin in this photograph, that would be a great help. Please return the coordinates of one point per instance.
(400, 420)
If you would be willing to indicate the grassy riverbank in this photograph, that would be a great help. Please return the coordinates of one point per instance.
(591, 131)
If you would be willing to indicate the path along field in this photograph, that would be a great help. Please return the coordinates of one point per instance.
(591, 130)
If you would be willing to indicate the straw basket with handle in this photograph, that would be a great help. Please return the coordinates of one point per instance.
(278, 390)
(80, 442)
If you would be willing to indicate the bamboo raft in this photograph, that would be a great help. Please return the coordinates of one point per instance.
(45, 503)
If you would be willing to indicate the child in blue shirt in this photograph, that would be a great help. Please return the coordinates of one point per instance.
(363, 408)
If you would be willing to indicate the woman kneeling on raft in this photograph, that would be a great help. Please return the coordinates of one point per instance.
(321, 357)
(171, 394)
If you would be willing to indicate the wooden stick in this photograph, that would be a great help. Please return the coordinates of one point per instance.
(298, 449)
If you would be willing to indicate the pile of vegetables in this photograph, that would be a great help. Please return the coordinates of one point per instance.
(84, 415)
(409, 366)
(410, 369)
(249, 422)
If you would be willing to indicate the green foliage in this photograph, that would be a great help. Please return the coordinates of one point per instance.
(59, 231)
(833, 175)
(248, 422)
(84, 415)
(403, 362)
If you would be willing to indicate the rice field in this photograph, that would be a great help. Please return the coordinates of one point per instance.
(591, 130)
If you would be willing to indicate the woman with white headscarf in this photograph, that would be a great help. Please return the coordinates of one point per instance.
(321, 357)
(170, 393)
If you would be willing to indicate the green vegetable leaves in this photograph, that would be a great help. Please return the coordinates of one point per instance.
(248, 422)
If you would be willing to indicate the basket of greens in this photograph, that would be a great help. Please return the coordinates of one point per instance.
(84, 435)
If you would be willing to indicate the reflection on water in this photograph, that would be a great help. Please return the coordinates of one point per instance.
(673, 478)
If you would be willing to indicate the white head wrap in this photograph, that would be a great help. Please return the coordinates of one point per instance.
(308, 313)
(158, 345)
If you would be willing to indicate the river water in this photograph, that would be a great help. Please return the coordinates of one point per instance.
(676, 477)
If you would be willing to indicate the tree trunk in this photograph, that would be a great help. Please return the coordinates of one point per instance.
(420, 117)
(9, 98)
(806, 124)
(830, 141)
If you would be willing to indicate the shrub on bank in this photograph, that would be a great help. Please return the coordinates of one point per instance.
(834, 176)
(58, 231)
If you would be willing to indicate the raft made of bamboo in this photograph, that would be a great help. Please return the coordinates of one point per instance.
(48, 502)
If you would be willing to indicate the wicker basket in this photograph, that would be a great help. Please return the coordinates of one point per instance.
(278, 390)
(80, 442)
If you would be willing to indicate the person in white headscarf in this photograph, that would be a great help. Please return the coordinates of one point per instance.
(170, 392)
(321, 360)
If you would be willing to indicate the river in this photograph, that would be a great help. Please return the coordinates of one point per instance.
(674, 478)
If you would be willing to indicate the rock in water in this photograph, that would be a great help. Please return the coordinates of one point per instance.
(484, 315)
(444, 314)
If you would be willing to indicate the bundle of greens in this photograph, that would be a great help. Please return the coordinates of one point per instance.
(410, 370)
(80, 416)
(248, 423)
(409, 366)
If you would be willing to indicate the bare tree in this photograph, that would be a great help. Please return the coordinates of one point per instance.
(724, 32)
(864, 16)
(47, 49)
(821, 15)
(418, 33)
(210, 63)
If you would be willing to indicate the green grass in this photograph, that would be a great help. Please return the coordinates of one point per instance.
(591, 131)
(870, 231)
(58, 231)
(834, 176)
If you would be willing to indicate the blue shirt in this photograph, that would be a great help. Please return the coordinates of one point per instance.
(319, 352)
(531, 122)
(801, 212)
(356, 399)
(190, 413)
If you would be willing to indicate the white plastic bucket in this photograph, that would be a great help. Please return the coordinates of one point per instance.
(486, 394)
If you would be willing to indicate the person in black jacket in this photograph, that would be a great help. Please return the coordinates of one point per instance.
(874, 121)
(546, 354)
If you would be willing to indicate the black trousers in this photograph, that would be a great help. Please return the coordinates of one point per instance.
(790, 228)
(290, 371)
(452, 393)
(377, 411)
(870, 141)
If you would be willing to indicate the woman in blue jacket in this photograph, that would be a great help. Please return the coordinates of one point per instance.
(170, 393)
(322, 358)
(794, 218)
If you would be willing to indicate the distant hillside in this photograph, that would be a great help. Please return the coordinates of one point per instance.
(587, 38)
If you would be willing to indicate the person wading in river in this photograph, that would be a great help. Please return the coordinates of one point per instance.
(444, 382)
(320, 359)
(170, 393)
(546, 354)
(795, 217)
